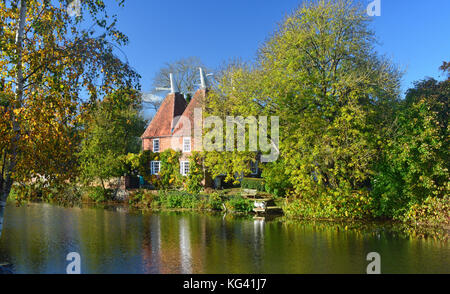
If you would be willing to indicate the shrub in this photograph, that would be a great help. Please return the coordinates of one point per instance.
(277, 182)
(434, 211)
(339, 204)
(195, 178)
(169, 176)
(239, 204)
(98, 194)
(254, 184)
(63, 194)
(215, 202)
(142, 198)
(179, 200)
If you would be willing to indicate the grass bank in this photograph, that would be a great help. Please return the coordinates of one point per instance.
(180, 200)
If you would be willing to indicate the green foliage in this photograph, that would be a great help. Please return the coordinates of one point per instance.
(139, 164)
(169, 176)
(239, 204)
(433, 212)
(229, 164)
(184, 200)
(143, 199)
(179, 200)
(320, 74)
(39, 191)
(337, 91)
(98, 194)
(276, 179)
(334, 205)
(253, 184)
(414, 166)
(215, 202)
(196, 173)
(113, 127)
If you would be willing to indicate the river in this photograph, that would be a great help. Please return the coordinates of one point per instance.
(38, 237)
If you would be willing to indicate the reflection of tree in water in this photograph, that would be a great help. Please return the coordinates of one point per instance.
(40, 236)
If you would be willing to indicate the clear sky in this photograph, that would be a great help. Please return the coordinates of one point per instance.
(415, 34)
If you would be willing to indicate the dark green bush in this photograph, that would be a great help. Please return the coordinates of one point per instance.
(179, 200)
(254, 184)
(276, 180)
(215, 202)
(239, 204)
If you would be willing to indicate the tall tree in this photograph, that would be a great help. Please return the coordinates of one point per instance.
(415, 162)
(49, 59)
(320, 74)
(112, 131)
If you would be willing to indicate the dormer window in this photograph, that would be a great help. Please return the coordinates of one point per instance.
(156, 145)
(187, 144)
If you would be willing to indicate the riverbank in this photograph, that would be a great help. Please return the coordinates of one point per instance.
(428, 220)
(180, 200)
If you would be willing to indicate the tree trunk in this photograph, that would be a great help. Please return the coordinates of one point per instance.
(7, 182)
(2, 208)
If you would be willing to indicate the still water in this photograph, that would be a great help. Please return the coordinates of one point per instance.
(38, 237)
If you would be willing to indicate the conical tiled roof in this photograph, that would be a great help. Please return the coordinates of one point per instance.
(162, 124)
(196, 102)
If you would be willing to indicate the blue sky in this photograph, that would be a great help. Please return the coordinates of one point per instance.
(415, 34)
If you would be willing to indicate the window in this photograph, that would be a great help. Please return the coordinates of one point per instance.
(155, 167)
(187, 144)
(254, 167)
(184, 168)
(155, 145)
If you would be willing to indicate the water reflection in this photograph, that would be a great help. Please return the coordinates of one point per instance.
(37, 239)
(185, 246)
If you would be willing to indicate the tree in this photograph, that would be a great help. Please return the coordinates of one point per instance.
(48, 61)
(445, 67)
(186, 74)
(236, 94)
(414, 167)
(112, 132)
(320, 74)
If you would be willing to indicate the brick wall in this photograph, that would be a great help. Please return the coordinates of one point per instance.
(166, 143)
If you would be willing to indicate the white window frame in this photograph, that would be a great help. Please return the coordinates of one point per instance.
(185, 144)
(159, 145)
(183, 165)
(153, 168)
(254, 165)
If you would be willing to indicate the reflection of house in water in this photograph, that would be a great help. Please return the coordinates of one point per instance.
(185, 247)
(174, 245)
(151, 246)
